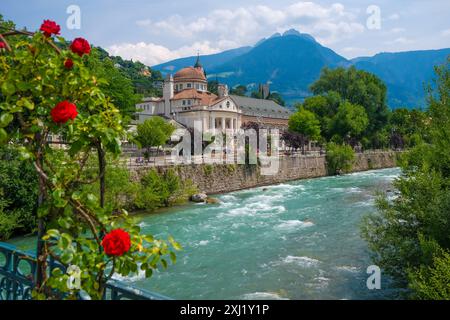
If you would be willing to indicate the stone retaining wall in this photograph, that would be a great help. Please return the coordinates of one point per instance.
(221, 178)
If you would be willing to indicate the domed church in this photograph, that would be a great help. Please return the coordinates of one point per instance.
(186, 99)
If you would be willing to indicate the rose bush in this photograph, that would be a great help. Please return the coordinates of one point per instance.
(40, 97)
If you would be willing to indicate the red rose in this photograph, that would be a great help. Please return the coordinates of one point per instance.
(2, 45)
(68, 64)
(116, 243)
(63, 112)
(50, 27)
(80, 46)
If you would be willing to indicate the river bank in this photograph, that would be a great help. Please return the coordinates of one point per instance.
(222, 178)
(126, 189)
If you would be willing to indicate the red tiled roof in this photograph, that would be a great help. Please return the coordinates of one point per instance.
(206, 98)
(190, 73)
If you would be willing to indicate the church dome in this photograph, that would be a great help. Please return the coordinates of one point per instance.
(190, 74)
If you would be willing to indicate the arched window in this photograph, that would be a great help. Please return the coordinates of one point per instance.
(228, 104)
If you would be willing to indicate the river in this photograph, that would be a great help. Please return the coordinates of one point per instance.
(297, 240)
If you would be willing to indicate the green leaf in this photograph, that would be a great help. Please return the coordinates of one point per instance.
(76, 146)
(63, 222)
(67, 257)
(173, 257)
(3, 135)
(76, 195)
(53, 233)
(148, 273)
(58, 198)
(148, 238)
(8, 88)
(175, 244)
(27, 103)
(43, 210)
(92, 199)
(5, 119)
(24, 153)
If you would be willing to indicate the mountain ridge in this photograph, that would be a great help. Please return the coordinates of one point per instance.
(292, 61)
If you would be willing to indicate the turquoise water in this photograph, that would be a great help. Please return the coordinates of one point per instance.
(298, 240)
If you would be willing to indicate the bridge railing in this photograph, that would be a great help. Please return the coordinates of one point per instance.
(18, 271)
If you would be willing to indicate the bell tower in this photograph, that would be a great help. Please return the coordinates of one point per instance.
(168, 94)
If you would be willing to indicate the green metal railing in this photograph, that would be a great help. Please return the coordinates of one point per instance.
(18, 270)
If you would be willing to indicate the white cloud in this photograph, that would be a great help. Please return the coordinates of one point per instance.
(394, 16)
(397, 30)
(153, 54)
(352, 52)
(399, 41)
(445, 33)
(245, 25)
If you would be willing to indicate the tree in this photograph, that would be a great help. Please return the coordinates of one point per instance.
(239, 90)
(144, 79)
(18, 181)
(304, 122)
(358, 87)
(325, 108)
(276, 97)
(339, 158)
(410, 235)
(154, 132)
(408, 125)
(294, 140)
(115, 83)
(213, 86)
(349, 122)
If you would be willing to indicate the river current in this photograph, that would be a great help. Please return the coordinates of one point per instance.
(296, 240)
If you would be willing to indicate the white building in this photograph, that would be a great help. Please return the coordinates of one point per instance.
(186, 99)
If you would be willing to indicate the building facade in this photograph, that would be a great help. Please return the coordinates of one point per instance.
(186, 99)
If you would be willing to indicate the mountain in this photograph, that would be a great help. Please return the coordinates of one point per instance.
(291, 61)
(406, 74)
(208, 61)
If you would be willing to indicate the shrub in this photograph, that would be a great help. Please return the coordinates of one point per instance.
(163, 190)
(231, 168)
(339, 158)
(18, 183)
(121, 191)
(432, 283)
(184, 193)
(409, 236)
(208, 169)
(9, 221)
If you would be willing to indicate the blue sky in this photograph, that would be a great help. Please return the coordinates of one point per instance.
(158, 31)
